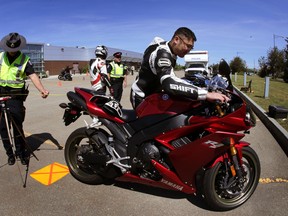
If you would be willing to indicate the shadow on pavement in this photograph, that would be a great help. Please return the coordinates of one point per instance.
(195, 200)
(36, 140)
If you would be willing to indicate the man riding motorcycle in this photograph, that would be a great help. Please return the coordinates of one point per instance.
(157, 73)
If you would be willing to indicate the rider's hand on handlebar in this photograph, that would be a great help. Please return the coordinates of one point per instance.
(215, 96)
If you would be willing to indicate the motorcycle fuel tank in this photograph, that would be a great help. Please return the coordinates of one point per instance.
(165, 104)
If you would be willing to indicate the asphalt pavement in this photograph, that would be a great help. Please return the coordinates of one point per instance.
(51, 190)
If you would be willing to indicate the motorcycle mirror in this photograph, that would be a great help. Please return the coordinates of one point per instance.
(63, 105)
(224, 68)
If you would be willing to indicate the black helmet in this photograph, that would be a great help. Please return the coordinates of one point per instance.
(101, 51)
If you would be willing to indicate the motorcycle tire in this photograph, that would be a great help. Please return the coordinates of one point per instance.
(226, 199)
(76, 139)
(60, 77)
(68, 77)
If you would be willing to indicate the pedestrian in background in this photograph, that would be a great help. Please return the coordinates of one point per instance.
(15, 66)
(132, 70)
(117, 75)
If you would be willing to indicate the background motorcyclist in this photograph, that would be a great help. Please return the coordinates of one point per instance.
(157, 70)
(65, 73)
(66, 70)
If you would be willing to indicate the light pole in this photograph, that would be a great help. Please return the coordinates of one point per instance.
(276, 36)
(237, 53)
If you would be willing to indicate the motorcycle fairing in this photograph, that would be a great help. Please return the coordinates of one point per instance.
(88, 96)
(189, 159)
(169, 181)
(149, 132)
(238, 146)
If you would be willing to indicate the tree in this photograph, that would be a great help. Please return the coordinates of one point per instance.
(262, 61)
(238, 65)
(285, 77)
(273, 64)
(276, 62)
(215, 68)
(179, 67)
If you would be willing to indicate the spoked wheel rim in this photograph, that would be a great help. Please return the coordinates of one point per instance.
(225, 192)
(236, 192)
(73, 158)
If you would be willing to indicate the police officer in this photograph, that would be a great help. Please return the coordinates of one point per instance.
(14, 67)
(118, 75)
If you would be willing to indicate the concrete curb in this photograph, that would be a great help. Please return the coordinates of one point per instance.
(278, 132)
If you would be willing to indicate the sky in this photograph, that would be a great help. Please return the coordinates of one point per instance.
(226, 28)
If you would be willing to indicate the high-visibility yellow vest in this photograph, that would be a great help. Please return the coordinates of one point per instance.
(13, 75)
(117, 70)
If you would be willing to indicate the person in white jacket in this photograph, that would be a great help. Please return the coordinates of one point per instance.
(98, 75)
(98, 71)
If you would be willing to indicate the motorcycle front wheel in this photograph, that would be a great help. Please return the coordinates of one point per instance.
(77, 140)
(219, 196)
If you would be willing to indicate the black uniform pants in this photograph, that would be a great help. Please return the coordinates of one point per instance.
(117, 86)
(16, 111)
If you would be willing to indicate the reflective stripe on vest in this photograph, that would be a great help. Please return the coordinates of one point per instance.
(1, 59)
(13, 75)
(117, 70)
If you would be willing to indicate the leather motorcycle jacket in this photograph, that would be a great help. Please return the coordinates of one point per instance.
(157, 74)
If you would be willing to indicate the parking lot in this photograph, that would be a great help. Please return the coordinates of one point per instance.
(64, 195)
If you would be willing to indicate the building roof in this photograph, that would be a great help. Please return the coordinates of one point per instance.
(61, 53)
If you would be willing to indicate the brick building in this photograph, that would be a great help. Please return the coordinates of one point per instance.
(50, 60)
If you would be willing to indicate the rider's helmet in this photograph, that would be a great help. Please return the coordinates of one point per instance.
(101, 51)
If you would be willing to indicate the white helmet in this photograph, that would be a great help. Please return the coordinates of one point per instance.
(101, 51)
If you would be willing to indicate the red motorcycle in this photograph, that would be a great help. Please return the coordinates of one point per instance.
(168, 142)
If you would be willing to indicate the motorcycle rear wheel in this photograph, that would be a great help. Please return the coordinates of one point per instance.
(74, 141)
(218, 198)
(68, 77)
(60, 77)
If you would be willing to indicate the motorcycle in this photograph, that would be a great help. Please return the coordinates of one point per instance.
(198, 78)
(169, 142)
(65, 76)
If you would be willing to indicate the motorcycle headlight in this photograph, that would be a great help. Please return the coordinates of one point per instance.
(250, 118)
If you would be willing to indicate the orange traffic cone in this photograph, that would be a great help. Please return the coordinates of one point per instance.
(59, 83)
